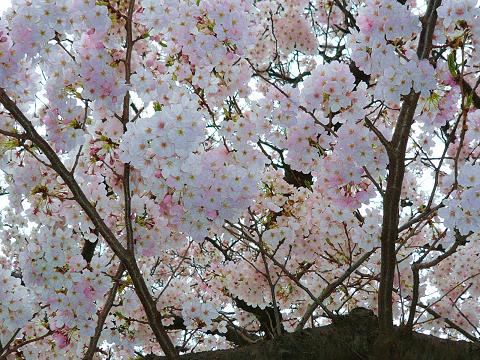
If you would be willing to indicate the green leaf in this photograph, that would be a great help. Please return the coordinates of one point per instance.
(469, 101)
(452, 64)
(434, 99)
(169, 61)
(157, 106)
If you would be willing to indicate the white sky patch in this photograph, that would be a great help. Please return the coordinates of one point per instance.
(4, 4)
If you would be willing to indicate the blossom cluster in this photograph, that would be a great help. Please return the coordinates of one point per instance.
(388, 56)
(243, 149)
(14, 314)
(197, 315)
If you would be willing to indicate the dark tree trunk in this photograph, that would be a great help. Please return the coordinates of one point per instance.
(350, 337)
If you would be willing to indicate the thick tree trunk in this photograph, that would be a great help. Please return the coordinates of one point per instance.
(351, 337)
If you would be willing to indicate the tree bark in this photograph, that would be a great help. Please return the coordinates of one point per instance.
(396, 149)
(350, 337)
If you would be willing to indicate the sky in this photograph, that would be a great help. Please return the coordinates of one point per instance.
(4, 4)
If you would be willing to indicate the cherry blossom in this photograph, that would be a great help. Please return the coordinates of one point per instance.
(175, 171)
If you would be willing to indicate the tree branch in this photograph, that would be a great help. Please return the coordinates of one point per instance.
(141, 289)
(396, 171)
(102, 316)
(352, 337)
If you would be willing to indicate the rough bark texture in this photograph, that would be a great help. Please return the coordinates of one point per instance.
(350, 337)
